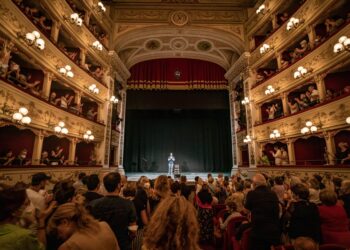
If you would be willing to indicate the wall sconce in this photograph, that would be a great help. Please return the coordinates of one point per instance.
(88, 136)
(265, 48)
(93, 89)
(74, 19)
(114, 99)
(309, 128)
(269, 90)
(247, 139)
(101, 7)
(33, 38)
(21, 116)
(66, 71)
(261, 9)
(97, 45)
(348, 120)
(61, 129)
(275, 134)
(342, 45)
(245, 101)
(301, 72)
(294, 23)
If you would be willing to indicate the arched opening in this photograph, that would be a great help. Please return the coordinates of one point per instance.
(84, 154)
(310, 151)
(16, 141)
(57, 149)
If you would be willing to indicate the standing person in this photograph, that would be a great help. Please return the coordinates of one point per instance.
(118, 212)
(284, 156)
(263, 206)
(171, 161)
(277, 154)
(36, 192)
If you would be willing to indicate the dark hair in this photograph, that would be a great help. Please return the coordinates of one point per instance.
(239, 187)
(279, 180)
(111, 181)
(63, 192)
(92, 182)
(196, 178)
(301, 191)
(185, 190)
(11, 199)
(81, 175)
(175, 187)
(129, 189)
(247, 183)
(204, 195)
(183, 178)
(328, 197)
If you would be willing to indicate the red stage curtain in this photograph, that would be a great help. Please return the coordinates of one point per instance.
(342, 136)
(337, 81)
(310, 151)
(15, 139)
(83, 152)
(51, 142)
(161, 72)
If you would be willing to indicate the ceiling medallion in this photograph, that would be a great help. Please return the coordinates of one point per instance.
(153, 44)
(178, 43)
(204, 45)
(179, 18)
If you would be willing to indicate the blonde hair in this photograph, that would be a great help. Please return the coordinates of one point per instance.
(162, 186)
(173, 226)
(72, 212)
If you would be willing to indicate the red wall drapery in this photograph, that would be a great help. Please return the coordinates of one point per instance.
(310, 151)
(161, 72)
(337, 81)
(83, 152)
(15, 139)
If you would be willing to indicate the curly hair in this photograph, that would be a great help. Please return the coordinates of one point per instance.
(162, 186)
(173, 226)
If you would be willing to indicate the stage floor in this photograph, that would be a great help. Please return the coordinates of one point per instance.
(152, 175)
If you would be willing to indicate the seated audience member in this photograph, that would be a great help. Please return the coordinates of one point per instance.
(264, 159)
(53, 98)
(31, 11)
(79, 230)
(269, 72)
(98, 72)
(333, 216)
(36, 192)
(175, 188)
(172, 226)
(232, 212)
(303, 101)
(21, 159)
(205, 215)
(332, 24)
(314, 95)
(13, 72)
(343, 153)
(304, 47)
(277, 154)
(118, 212)
(56, 154)
(78, 184)
(284, 63)
(63, 160)
(260, 76)
(345, 196)
(13, 202)
(7, 159)
(161, 191)
(93, 185)
(302, 217)
(41, 21)
(305, 243)
(44, 158)
(314, 190)
(91, 114)
(283, 18)
(264, 208)
(293, 106)
(65, 100)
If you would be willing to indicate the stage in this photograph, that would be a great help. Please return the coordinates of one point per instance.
(133, 176)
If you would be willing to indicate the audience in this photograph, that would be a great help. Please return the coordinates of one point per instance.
(93, 185)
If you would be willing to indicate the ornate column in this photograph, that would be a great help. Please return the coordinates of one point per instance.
(116, 158)
(48, 76)
(233, 129)
(311, 33)
(273, 18)
(279, 59)
(38, 147)
(77, 97)
(319, 79)
(291, 153)
(87, 17)
(82, 57)
(330, 148)
(55, 30)
(72, 149)
(122, 129)
(251, 43)
(285, 105)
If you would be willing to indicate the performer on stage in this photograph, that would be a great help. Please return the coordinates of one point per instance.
(171, 161)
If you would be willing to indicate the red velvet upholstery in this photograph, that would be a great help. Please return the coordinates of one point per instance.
(231, 229)
(332, 247)
(309, 151)
(15, 139)
(341, 238)
(244, 243)
(83, 152)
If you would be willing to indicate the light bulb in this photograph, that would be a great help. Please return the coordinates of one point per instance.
(30, 38)
(348, 120)
(308, 123)
(23, 110)
(70, 74)
(74, 17)
(68, 67)
(297, 74)
(26, 120)
(36, 34)
(91, 137)
(85, 136)
(275, 131)
(338, 48)
(272, 136)
(61, 124)
(63, 71)
(64, 131)
(347, 42)
(342, 39)
(17, 116)
(88, 132)
(79, 21)
(313, 129)
(40, 43)
(57, 129)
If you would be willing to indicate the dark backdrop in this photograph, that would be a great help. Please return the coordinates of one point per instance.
(193, 125)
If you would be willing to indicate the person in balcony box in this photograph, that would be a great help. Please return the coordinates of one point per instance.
(314, 95)
(343, 153)
(21, 159)
(53, 98)
(13, 72)
(5, 56)
(41, 21)
(91, 114)
(7, 159)
(56, 154)
(293, 106)
(277, 154)
(32, 87)
(303, 101)
(284, 156)
(271, 111)
(332, 24)
(304, 47)
(44, 158)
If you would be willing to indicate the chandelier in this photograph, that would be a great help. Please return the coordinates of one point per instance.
(22, 116)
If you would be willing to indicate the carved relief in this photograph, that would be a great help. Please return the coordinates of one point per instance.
(179, 18)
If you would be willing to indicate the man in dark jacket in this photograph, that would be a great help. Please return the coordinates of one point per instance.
(264, 208)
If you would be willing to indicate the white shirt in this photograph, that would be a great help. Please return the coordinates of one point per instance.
(36, 198)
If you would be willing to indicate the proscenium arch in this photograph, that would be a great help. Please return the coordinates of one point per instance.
(227, 46)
